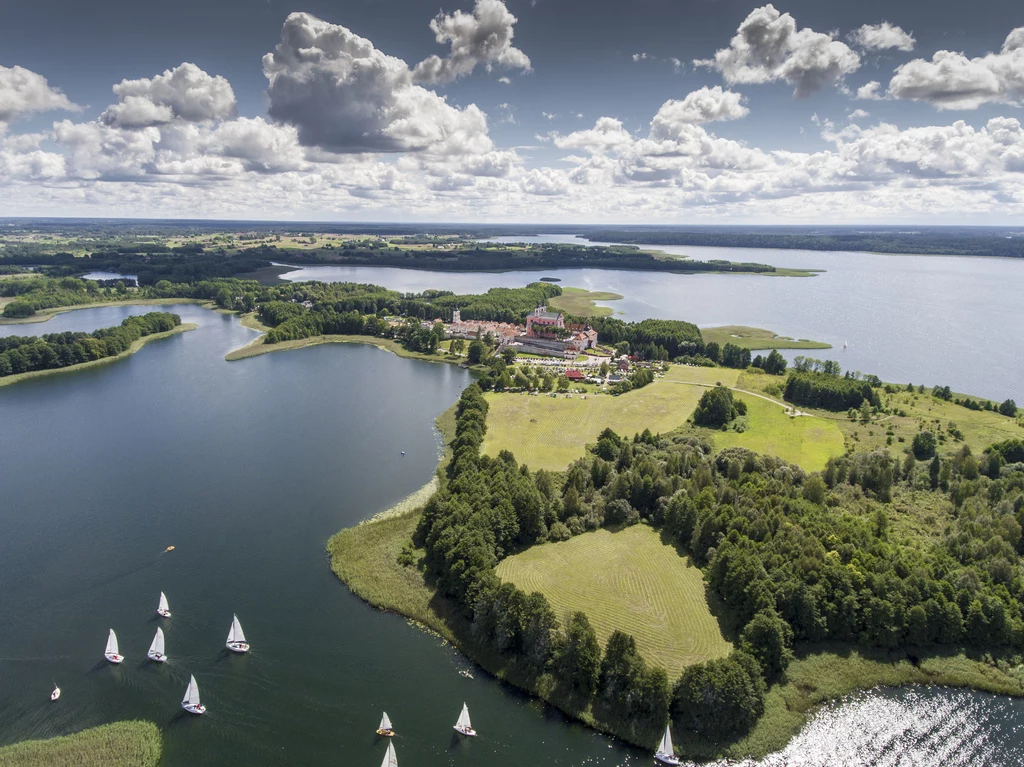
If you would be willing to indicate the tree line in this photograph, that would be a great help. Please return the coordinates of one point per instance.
(25, 354)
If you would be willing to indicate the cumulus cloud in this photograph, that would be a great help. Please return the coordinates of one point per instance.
(677, 65)
(23, 91)
(700, 106)
(953, 81)
(344, 95)
(606, 134)
(870, 91)
(768, 47)
(481, 37)
(262, 147)
(184, 93)
(858, 114)
(877, 37)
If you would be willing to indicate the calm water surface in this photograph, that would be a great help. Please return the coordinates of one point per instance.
(953, 321)
(247, 468)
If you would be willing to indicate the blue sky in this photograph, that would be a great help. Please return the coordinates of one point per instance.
(654, 111)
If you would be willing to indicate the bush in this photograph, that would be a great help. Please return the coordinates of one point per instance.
(923, 445)
(721, 698)
(715, 409)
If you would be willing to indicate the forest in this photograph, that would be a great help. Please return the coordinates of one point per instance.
(796, 557)
(26, 354)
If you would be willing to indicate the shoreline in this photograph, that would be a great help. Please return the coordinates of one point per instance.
(136, 346)
(46, 314)
(366, 559)
(256, 347)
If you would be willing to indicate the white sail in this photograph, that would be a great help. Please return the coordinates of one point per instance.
(163, 607)
(464, 722)
(385, 722)
(236, 634)
(192, 693)
(111, 644)
(390, 758)
(665, 747)
(157, 648)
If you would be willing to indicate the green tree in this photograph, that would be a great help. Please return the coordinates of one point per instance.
(770, 640)
(1008, 408)
(715, 408)
(578, 662)
(924, 445)
(509, 355)
(476, 352)
(720, 698)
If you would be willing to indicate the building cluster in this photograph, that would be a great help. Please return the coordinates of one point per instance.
(546, 333)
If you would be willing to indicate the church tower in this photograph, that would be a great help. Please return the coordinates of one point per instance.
(456, 316)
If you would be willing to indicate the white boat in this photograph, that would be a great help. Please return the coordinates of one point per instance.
(236, 638)
(156, 650)
(111, 652)
(846, 344)
(390, 758)
(191, 700)
(385, 728)
(56, 693)
(464, 726)
(666, 753)
(163, 609)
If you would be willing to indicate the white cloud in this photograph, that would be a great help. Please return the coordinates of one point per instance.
(481, 37)
(677, 65)
(344, 95)
(549, 115)
(858, 114)
(768, 46)
(606, 134)
(185, 93)
(870, 91)
(639, 57)
(23, 91)
(877, 37)
(953, 81)
(700, 106)
(262, 146)
(545, 182)
(504, 81)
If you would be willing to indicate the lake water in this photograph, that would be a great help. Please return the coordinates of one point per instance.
(953, 321)
(247, 468)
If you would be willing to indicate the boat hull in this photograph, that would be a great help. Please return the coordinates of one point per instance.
(55, 694)
(194, 709)
(113, 657)
(164, 613)
(156, 657)
(667, 759)
(468, 732)
(386, 733)
(238, 647)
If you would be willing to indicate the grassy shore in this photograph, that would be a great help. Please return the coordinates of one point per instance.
(581, 303)
(45, 314)
(256, 347)
(136, 345)
(122, 744)
(756, 339)
(629, 580)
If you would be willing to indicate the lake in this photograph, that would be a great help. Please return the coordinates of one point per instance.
(933, 320)
(247, 468)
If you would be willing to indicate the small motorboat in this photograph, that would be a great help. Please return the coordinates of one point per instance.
(156, 649)
(163, 609)
(169, 548)
(464, 726)
(111, 653)
(56, 692)
(236, 637)
(390, 758)
(191, 700)
(666, 753)
(385, 728)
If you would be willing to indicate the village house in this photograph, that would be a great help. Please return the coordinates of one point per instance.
(503, 332)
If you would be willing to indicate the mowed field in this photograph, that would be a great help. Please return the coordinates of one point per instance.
(807, 441)
(551, 432)
(630, 581)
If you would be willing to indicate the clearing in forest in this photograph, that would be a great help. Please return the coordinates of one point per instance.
(631, 581)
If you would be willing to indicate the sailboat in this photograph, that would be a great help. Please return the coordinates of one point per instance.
(846, 344)
(56, 692)
(163, 609)
(666, 753)
(156, 650)
(236, 637)
(111, 652)
(464, 726)
(390, 758)
(191, 700)
(385, 728)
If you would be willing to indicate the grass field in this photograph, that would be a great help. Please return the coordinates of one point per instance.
(691, 374)
(756, 339)
(256, 347)
(551, 432)
(807, 441)
(631, 581)
(136, 345)
(581, 302)
(122, 744)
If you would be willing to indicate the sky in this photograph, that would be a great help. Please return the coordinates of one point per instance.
(519, 111)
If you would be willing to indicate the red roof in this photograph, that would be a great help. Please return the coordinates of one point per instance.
(575, 375)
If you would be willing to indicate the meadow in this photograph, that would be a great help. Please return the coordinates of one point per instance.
(756, 339)
(580, 302)
(122, 744)
(631, 581)
(548, 432)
